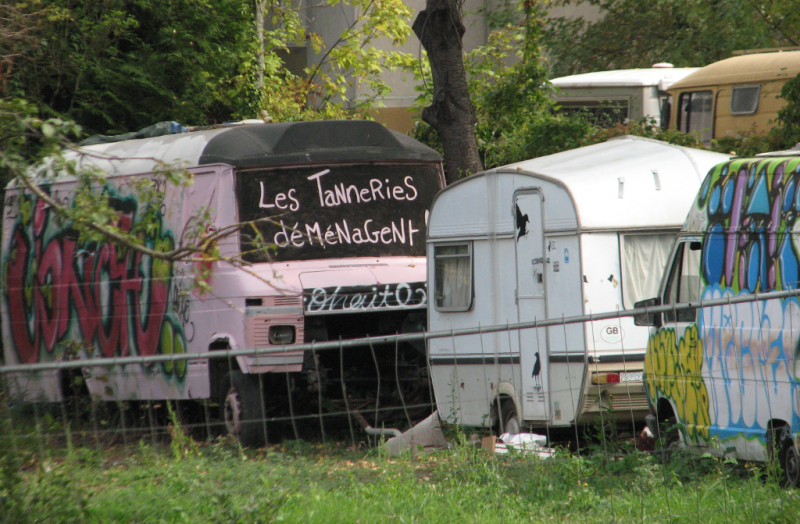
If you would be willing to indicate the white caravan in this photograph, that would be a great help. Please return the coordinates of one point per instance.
(579, 232)
(621, 95)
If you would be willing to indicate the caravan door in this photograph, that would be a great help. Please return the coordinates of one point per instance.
(531, 277)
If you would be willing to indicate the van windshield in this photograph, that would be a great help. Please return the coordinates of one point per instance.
(335, 211)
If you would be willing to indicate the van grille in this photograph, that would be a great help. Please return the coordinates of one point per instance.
(621, 403)
(624, 402)
(283, 300)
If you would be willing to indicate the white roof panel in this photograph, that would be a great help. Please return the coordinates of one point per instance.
(626, 182)
(654, 76)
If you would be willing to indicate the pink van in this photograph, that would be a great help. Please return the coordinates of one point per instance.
(347, 205)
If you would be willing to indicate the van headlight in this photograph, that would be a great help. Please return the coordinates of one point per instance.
(281, 335)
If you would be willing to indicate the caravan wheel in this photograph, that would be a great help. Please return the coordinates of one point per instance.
(510, 419)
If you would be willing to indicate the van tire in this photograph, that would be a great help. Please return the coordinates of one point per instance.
(241, 409)
(789, 458)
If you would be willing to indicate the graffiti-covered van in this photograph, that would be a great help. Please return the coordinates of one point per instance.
(579, 232)
(724, 379)
(347, 203)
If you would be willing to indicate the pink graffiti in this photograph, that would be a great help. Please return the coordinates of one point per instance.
(59, 283)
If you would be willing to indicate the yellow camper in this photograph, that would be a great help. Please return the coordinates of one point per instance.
(733, 96)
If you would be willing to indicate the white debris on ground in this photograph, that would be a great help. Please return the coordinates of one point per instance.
(528, 443)
(426, 436)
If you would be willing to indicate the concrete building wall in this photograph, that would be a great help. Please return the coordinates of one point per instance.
(331, 21)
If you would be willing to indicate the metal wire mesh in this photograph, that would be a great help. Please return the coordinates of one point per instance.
(612, 435)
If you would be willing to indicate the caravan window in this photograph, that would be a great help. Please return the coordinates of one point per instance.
(695, 113)
(744, 99)
(684, 281)
(453, 277)
(643, 258)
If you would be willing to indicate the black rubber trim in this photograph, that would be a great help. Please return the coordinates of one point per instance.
(450, 361)
(560, 359)
(618, 357)
(313, 142)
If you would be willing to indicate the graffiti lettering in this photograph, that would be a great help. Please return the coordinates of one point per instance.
(752, 206)
(181, 305)
(113, 299)
(359, 298)
(672, 370)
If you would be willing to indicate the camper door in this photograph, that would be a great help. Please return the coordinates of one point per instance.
(531, 287)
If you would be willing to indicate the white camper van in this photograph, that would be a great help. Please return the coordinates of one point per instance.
(621, 95)
(724, 376)
(579, 232)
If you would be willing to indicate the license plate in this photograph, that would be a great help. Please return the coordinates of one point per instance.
(635, 376)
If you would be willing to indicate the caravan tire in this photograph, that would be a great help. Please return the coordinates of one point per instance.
(241, 409)
(510, 418)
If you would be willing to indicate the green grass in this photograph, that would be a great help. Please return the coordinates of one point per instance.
(298, 482)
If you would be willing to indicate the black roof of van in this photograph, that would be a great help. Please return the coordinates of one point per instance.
(251, 145)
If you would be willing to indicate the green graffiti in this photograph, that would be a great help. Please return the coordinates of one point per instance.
(672, 371)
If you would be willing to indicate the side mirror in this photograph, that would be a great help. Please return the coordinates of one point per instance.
(648, 319)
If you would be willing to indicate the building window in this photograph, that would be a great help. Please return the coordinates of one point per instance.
(684, 282)
(453, 277)
(644, 257)
(696, 114)
(744, 99)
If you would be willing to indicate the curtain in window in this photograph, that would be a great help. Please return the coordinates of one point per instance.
(454, 278)
(644, 259)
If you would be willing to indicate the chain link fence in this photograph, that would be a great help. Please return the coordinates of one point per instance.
(720, 393)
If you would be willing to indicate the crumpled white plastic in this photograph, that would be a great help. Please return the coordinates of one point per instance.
(524, 443)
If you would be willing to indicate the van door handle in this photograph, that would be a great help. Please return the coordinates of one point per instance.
(540, 260)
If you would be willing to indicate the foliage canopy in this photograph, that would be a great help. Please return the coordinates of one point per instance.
(121, 65)
(687, 33)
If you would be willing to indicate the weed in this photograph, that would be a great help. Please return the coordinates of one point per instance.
(181, 443)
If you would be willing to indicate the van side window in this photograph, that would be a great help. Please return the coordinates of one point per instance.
(695, 113)
(453, 277)
(744, 99)
(684, 282)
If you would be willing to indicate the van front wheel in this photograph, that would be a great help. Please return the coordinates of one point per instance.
(790, 460)
(241, 409)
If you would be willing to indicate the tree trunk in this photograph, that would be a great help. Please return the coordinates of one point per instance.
(260, 6)
(440, 28)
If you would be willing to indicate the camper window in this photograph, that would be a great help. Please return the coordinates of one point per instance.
(640, 254)
(684, 282)
(453, 277)
(744, 99)
(695, 113)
